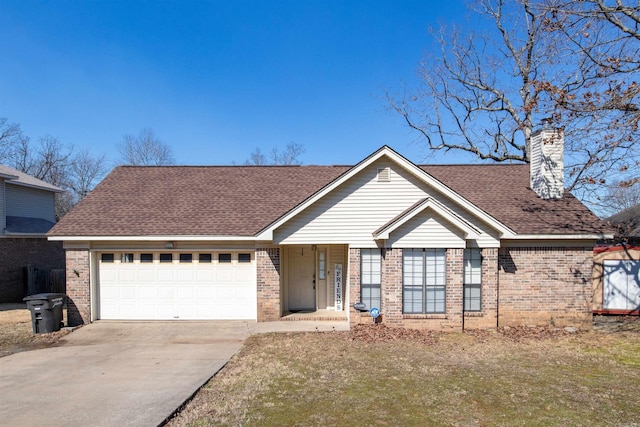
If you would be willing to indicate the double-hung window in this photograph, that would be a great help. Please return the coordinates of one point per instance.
(472, 280)
(423, 281)
(370, 277)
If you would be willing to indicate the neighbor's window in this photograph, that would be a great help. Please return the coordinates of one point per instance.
(166, 257)
(106, 257)
(204, 258)
(370, 277)
(224, 257)
(472, 280)
(126, 258)
(146, 258)
(423, 281)
(186, 258)
(244, 257)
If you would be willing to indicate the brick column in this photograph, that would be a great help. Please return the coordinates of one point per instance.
(268, 265)
(455, 278)
(78, 287)
(392, 286)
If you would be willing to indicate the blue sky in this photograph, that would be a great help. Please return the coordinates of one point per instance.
(216, 79)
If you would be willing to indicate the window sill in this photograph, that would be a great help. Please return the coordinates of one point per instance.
(474, 314)
(425, 316)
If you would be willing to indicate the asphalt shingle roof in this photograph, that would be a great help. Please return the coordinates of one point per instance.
(627, 221)
(242, 200)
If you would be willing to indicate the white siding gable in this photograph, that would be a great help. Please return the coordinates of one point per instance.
(353, 211)
(427, 230)
(29, 202)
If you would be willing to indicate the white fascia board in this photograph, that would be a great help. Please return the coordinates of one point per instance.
(7, 176)
(153, 238)
(559, 237)
(267, 233)
(430, 203)
(52, 189)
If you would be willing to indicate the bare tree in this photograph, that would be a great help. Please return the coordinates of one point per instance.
(620, 197)
(86, 171)
(257, 158)
(603, 95)
(11, 136)
(290, 155)
(484, 92)
(145, 149)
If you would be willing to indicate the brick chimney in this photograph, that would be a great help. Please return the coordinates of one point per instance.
(546, 165)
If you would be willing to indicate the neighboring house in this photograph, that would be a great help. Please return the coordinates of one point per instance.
(27, 213)
(443, 247)
(616, 273)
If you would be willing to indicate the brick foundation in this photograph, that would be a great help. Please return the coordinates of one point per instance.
(268, 266)
(545, 286)
(78, 287)
(15, 253)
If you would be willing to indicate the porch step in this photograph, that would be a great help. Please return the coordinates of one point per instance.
(318, 316)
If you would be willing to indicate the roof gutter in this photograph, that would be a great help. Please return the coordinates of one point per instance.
(559, 236)
(152, 238)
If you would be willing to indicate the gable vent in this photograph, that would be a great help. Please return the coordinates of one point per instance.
(384, 174)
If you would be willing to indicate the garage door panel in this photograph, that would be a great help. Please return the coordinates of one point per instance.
(205, 275)
(224, 275)
(151, 291)
(185, 275)
(126, 275)
(146, 275)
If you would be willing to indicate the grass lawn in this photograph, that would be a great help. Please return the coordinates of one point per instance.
(383, 377)
(16, 331)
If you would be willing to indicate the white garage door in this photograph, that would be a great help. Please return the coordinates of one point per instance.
(621, 285)
(184, 286)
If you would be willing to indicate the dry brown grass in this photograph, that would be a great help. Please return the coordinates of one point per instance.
(16, 331)
(378, 377)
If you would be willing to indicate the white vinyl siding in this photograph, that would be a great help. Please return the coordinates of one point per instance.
(352, 212)
(427, 227)
(30, 202)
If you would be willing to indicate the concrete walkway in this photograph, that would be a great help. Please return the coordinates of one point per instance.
(123, 373)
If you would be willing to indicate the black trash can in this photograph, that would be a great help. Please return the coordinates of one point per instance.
(46, 312)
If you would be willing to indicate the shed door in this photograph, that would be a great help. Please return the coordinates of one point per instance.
(621, 285)
(137, 289)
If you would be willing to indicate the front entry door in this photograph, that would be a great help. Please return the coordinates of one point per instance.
(301, 277)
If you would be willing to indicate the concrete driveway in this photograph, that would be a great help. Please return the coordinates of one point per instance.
(115, 373)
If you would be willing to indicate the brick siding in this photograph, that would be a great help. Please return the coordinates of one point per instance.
(545, 286)
(15, 253)
(268, 281)
(78, 287)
